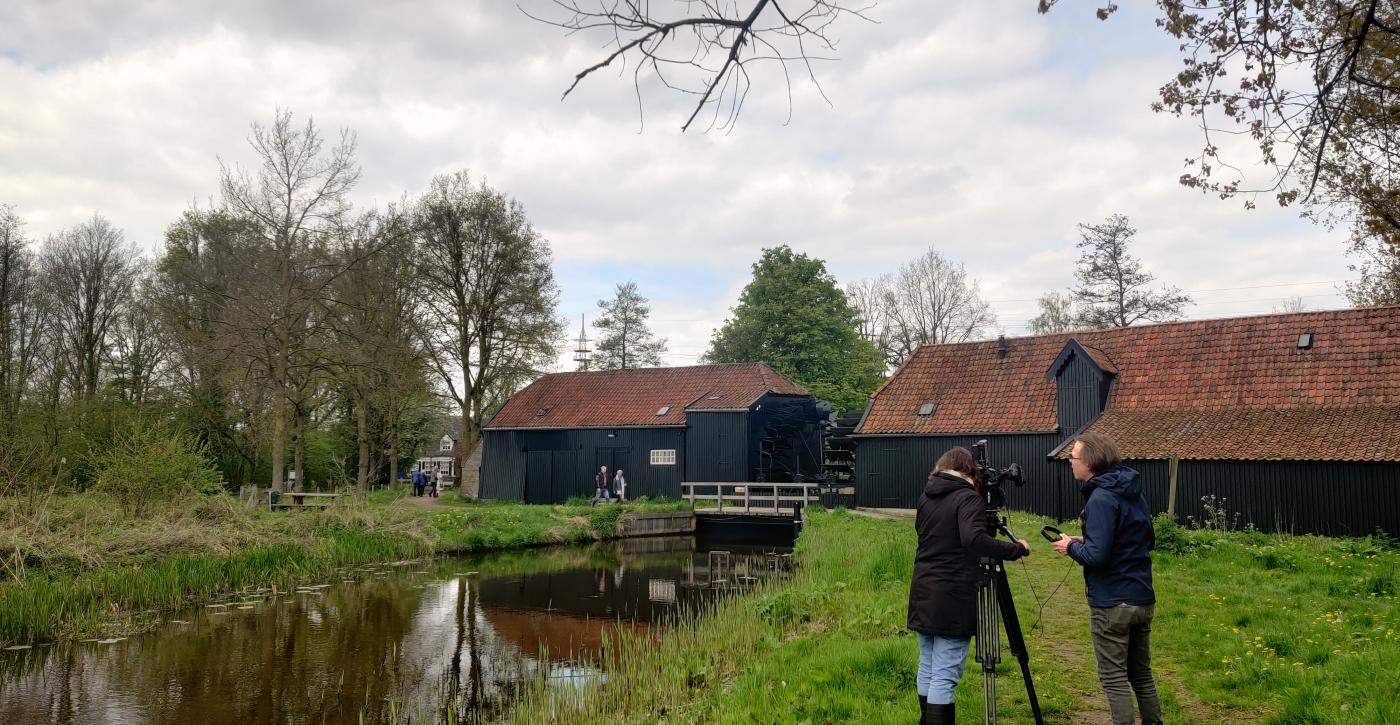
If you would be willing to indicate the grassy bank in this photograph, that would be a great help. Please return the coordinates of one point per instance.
(78, 565)
(1249, 628)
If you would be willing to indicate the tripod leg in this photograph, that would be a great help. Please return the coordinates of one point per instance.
(1016, 639)
(988, 638)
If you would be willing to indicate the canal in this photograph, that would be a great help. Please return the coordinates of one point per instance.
(418, 641)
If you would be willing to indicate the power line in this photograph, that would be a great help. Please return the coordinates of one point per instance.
(1222, 289)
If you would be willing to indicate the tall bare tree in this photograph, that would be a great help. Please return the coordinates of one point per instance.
(205, 254)
(23, 315)
(867, 296)
(1113, 286)
(376, 357)
(139, 354)
(490, 302)
(89, 271)
(930, 300)
(291, 201)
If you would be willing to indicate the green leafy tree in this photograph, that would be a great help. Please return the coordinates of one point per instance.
(626, 341)
(793, 317)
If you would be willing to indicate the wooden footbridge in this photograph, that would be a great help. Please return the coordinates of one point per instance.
(771, 504)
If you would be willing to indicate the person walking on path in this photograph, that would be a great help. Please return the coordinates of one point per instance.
(436, 483)
(952, 526)
(600, 482)
(1116, 553)
(419, 480)
(619, 485)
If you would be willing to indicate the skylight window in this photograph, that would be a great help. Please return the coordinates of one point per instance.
(664, 410)
(927, 408)
(1305, 341)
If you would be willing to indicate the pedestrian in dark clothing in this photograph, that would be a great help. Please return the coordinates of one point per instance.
(953, 536)
(419, 481)
(1116, 553)
(601, 483)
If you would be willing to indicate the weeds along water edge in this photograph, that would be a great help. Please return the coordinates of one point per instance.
(79, 566)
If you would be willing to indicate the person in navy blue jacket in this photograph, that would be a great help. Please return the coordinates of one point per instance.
(1116, 553)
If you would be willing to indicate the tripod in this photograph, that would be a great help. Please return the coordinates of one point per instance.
(993, 602)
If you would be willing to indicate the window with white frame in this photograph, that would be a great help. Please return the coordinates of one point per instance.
(445, 444)
(663, 457)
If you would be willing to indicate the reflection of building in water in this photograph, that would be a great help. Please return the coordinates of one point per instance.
(350, 650)
(662, 590)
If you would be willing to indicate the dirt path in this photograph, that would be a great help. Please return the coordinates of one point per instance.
(426, 502)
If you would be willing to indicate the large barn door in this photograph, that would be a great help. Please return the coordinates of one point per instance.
(724, 464)
(613, 458)
(538, 477)
(564, 483)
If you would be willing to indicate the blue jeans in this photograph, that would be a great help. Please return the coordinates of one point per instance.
(941, 661)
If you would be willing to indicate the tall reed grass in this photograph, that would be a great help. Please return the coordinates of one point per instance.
(79, 565)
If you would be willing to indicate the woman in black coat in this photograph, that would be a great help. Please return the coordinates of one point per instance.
(953, 535)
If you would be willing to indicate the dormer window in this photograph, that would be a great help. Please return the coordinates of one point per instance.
(445, 444)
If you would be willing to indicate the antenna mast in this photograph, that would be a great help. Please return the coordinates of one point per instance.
(581, 351)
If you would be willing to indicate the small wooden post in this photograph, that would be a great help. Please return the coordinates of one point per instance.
(719, 496)
(1172, 464)
(746, 499)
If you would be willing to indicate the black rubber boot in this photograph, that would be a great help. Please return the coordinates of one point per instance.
(940, 714)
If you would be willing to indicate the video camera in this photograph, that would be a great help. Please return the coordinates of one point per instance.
(992, 480)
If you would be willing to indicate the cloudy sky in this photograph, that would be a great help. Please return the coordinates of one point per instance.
(979, 128)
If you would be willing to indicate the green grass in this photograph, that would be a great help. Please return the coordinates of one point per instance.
(1249, 628)
(79, 566)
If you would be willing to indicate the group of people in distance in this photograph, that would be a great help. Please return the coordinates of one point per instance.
(1114, 550)
(608, 488)
(427, 482)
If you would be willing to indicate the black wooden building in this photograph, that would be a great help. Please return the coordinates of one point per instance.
(663, 426)
(1292, 420)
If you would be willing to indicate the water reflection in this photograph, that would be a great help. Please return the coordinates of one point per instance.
(391, 643)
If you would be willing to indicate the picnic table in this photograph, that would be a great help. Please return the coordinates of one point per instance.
(277, 500)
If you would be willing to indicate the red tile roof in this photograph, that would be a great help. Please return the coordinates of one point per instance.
(1235, 388)
(615, 398)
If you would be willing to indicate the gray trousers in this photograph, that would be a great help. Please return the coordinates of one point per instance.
(1120, 636)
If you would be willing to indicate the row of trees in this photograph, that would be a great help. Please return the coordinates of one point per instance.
(279, 317)
(840, 344)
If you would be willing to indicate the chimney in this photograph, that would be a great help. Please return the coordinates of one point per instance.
(1002, 348)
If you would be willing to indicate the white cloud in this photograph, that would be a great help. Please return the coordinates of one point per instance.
(987, 131)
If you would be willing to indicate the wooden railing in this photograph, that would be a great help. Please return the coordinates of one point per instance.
(752, 497)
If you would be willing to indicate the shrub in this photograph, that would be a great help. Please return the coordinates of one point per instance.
(147, 464)
(1171, 536)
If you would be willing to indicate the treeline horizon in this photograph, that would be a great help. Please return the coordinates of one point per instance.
(279, 330)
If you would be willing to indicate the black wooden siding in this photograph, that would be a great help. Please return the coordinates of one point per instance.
(717, 445)
(1302, 497)
(1081, 391)
(891, 471)
(549, 466)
